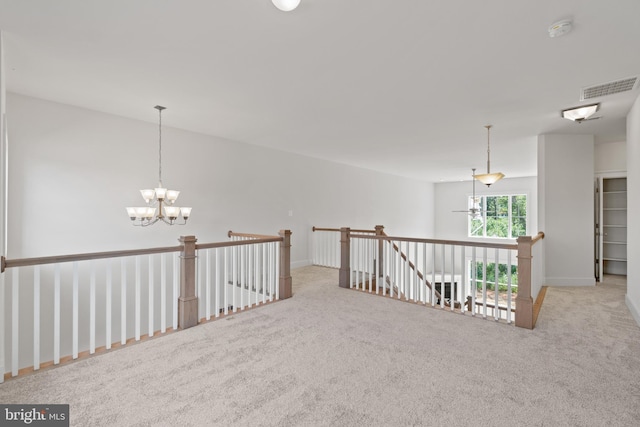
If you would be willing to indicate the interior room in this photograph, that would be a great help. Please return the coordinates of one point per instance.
(285, 115)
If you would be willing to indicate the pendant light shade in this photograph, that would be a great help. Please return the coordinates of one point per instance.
(489, 178)
(286, 5)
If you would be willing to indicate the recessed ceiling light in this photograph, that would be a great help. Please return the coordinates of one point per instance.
(560, 28)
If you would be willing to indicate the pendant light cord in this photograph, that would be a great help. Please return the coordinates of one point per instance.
(488, 149)
(159, 108)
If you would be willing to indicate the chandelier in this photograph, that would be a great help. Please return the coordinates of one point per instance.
(159, 200)
(489, 178)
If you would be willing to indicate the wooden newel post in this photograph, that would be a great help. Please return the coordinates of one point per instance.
(187, 302)
(345, 257)
(380, 232)
(524, 302)
(285, 282)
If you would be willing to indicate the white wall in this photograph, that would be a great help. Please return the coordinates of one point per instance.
(73, 171)
(453, 196)
(610, 158)
(633, 204)
(565, 191)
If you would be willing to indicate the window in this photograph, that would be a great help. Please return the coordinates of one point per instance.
(503, 217)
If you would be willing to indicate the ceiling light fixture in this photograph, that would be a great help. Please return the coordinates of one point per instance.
(489, 178)
(286, 5)
(580, 114)
(560, 28)
(159, 200)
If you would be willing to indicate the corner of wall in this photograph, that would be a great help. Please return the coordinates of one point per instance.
(633, 309)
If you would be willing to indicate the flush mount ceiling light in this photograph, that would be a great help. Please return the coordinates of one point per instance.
(580, 114)
(489, 178)
(286, 5)
(560, 28)
(159, 200)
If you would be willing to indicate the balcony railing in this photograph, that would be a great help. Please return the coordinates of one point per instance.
(451, 275)
(64, 307)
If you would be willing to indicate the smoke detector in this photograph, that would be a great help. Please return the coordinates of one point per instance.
(560, 28)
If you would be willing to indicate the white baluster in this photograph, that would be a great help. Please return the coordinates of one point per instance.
(75, 310)
(207, 284)
(509, 278)
(56, 316)
(36, 319)
(226, 280)
(235, 277)
(433, 275)
(452, 286)
(151, 297)
(484, 283)
(163, 293)
(277, 265)
(474, 280)
(108, 302)
(123, 301)
(2, 344)
(218, 288)
(92, 308)
(264, 272)
(496, 311)
(15, 330)
(176, 287)
(463, 279)
(137, 300)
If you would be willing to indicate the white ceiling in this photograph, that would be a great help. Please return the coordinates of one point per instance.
(401, 86)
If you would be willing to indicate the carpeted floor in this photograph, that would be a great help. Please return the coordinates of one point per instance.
(336, 357)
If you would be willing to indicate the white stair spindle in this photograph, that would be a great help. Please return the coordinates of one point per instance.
(56, 315)
(92, 308)
(452, 286)
(474, 281)
(137, 300)
(108, 302)
(207, 284)
(484, 283)
(264, 273)
(123, 301)
(15, 331)
(496, 275)
(163, 293)
(235, 277)
(151, 297)
(217, 289)
(463, 279)
(277, 265)
(509, 278)
(176, 292)
(75, 310)
(36, 318)
(433, 275)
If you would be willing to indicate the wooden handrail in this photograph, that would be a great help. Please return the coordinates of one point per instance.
(268, 239)
(537, 237)
(255, 236)
(314, 228)
(56, 259)
(9, 263)
(444, 242)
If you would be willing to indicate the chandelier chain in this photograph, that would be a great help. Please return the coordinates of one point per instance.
(160, 144)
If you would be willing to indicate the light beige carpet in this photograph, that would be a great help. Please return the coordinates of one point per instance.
(336, 357)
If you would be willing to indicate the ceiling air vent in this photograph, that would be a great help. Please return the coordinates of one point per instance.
(610, 88)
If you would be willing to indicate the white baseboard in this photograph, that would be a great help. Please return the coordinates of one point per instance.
(633, 308)
(299, 264)
(569, 281)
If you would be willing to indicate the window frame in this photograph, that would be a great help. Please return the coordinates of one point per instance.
(510, 217)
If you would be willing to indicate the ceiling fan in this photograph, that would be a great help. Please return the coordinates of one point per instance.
(474, 211)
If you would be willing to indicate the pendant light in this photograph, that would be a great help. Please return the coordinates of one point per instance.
(489, 178)
(159, 200)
